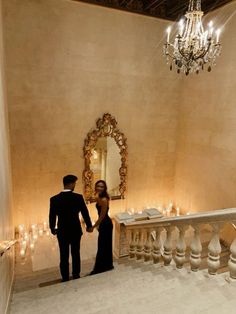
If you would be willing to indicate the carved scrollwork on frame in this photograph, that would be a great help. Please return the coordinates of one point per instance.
(106, 126)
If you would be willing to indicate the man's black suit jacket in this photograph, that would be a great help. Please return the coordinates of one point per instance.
(66, 206)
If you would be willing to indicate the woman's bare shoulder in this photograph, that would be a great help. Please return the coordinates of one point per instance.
(103, 201)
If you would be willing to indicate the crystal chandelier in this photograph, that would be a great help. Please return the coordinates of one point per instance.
(193, 48)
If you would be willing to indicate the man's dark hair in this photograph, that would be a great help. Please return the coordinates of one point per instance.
(70, 178)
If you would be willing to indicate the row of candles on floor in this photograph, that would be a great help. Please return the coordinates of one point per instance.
(28, 238)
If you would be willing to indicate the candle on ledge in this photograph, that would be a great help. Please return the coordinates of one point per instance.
(177, 211)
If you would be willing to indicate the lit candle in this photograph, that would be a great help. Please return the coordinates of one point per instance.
(218, 35)
(45, 226)
(177, 211)
(21, 229)
(33, 227)
(26, 236)
(211, 29)
(168, 34)
(181, 27)
(23, 244)
(35, 236)
(32, 246)
(47, 233)
(22, 252)
(40, 232)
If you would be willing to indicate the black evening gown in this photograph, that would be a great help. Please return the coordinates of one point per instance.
(104, 260)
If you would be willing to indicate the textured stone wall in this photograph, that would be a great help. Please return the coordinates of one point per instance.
(67, 64)
(206, 150)
(6, 232)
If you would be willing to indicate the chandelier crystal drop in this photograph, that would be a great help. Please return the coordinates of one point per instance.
(193, 48)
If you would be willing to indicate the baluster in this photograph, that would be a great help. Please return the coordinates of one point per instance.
(156, 253)
(180, 247)
(196, 250)
(139, 248)
(132, 245)
(167, 256)
(148, 247)
(232, 261)
(214, 248)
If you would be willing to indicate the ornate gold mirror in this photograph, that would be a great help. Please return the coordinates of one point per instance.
(105, 156)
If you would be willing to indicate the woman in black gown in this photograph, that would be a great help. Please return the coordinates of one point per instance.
(104, 225)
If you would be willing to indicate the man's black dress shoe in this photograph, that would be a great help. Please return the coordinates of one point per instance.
(64, 279)
(76, 276)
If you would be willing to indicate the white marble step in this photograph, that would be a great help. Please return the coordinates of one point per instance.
(129, 289)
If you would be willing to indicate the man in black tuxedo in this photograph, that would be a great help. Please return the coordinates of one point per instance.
(65, 207)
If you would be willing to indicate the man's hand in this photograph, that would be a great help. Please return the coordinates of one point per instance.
(89, 229)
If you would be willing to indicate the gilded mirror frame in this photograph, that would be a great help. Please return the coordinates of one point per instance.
(106, 126)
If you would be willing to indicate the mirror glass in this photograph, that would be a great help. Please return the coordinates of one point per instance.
(105, 158)
(105, 164)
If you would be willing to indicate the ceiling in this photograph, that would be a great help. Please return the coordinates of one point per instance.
(165, 9)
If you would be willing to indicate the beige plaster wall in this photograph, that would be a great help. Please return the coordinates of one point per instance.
(206, 157)
(7, 260)
(67, 64)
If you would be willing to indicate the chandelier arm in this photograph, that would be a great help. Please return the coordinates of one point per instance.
(169, 54)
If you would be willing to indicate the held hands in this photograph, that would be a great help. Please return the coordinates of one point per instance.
(89, 229)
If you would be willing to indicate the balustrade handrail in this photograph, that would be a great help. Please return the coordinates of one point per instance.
(6, 245)
(207, 217)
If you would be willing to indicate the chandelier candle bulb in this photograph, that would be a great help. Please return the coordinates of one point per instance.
(181, 27)
(218, 35)
(168, 34)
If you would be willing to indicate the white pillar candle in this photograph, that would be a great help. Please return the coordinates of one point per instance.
(45, 226)
(218, 35)
(22, 252)
(168, 34)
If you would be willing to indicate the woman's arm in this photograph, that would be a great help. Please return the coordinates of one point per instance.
(104, 204)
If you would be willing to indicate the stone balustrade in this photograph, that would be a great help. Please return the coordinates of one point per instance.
(144, 238)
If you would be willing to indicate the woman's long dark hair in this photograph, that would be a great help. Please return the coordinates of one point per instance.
(104, 193)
